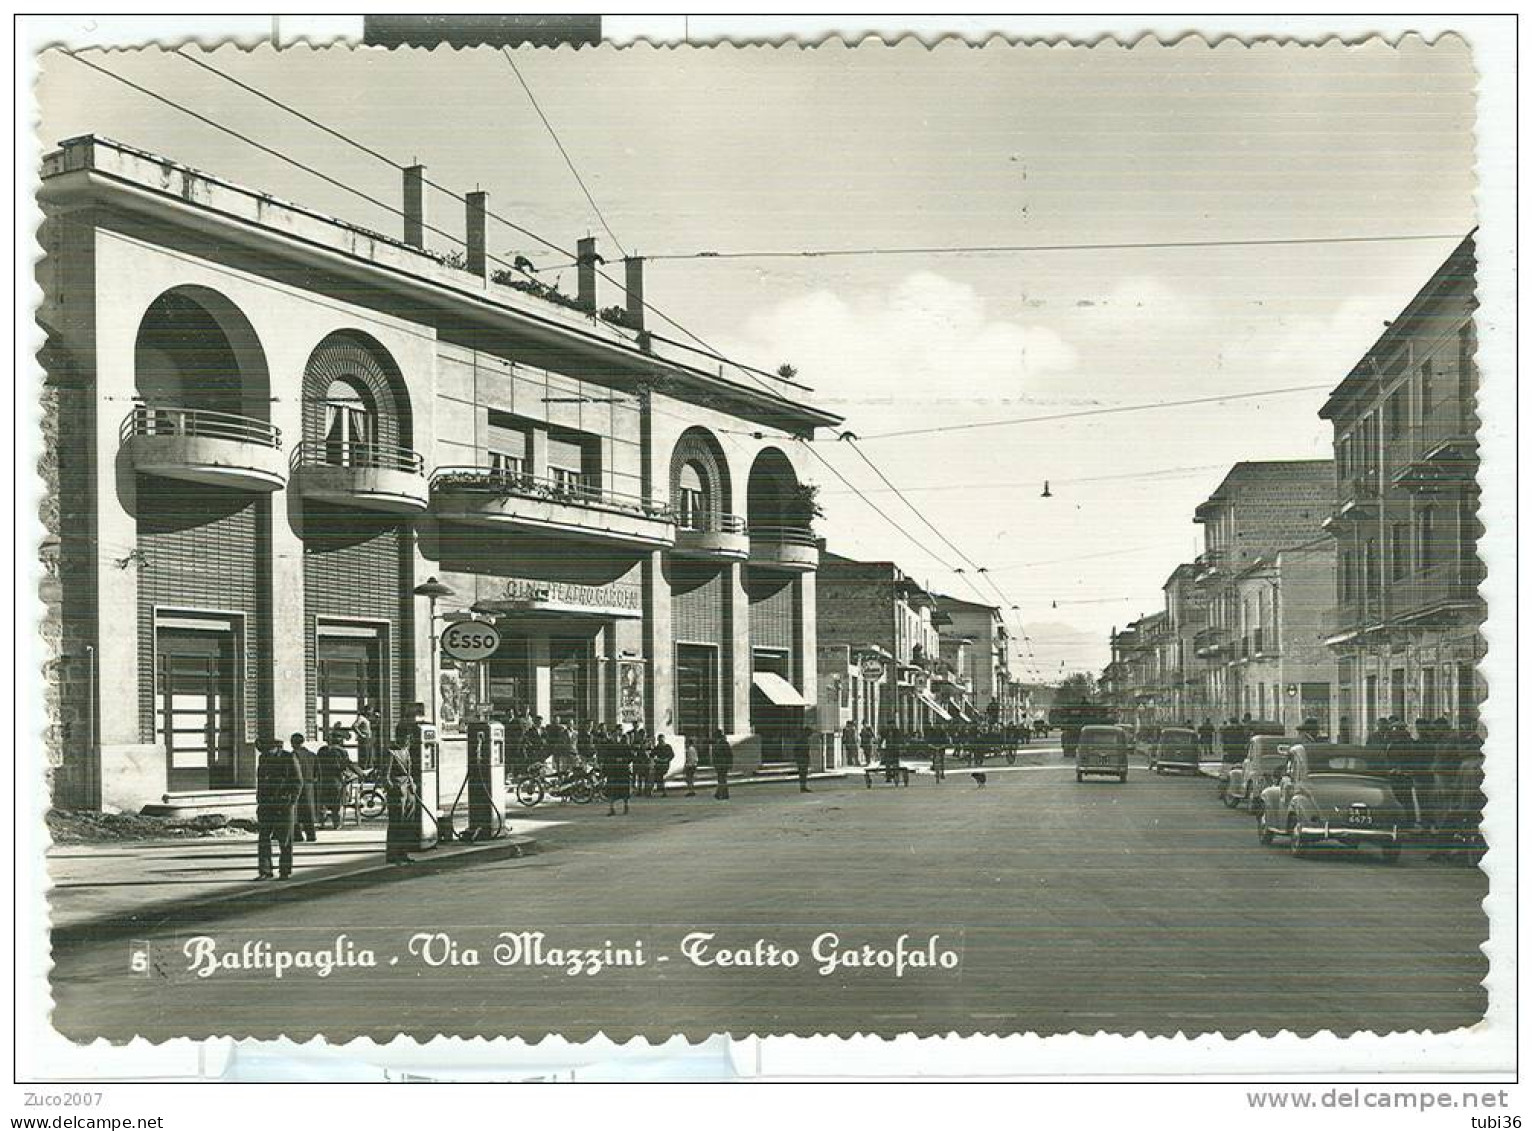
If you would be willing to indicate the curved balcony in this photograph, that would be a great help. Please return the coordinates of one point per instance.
(581, 510)
(719, 537)
(376, 477)
(792, 548)
(200, 446)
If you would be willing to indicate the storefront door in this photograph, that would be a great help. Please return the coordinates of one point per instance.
(696, 690)
(196, 716)
(350, 675)
(571, 662)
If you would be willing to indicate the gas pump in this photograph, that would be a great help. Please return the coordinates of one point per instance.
(486, 779)
(424, 748)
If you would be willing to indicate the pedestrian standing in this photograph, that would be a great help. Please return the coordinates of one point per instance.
(939, 756)
(660, 759)
(869, 745)
(403, 798)
(617, 768)
(689, 766)
(848, 742)
(1205, 738)
(308, 812)
(892, 751)
(638, 751)
(803, 743)
(334, 771)
(366, 738)
(722, 757)
(278, 785)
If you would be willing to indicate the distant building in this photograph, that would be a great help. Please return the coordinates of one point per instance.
(1186, 614)
(1406, 624)
(1258, 509)
(990, 656)
(883, 619)
(1285, 673)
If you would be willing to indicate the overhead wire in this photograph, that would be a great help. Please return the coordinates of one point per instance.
(564, 153)
(996, 249)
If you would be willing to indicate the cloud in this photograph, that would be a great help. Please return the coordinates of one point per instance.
(926, 338)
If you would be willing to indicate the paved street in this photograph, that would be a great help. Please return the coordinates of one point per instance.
(1071, 907)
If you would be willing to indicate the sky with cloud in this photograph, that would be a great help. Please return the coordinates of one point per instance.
(765, 149)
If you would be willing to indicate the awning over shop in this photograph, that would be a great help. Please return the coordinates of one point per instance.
(936, 708)
(778, 690)
(965, 710)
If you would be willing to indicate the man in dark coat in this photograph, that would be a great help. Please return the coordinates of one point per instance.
(308, 809)
(869, 745)
(893, 748)
(616, 760)
(660, 759)
(1205, 737)
(278, 785)
(723, 761)
(334, 770)
(803, 744)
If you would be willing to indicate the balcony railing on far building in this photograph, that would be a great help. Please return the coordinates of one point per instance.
(1443, 452)
(1211, 641)
(200, 445)
(1446, 589)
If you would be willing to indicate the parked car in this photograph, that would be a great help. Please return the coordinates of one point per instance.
(1262, 766)
(1176, 749)
(1336, 794)
(1102, 750)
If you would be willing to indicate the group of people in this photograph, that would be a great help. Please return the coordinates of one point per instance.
(299, 789)
(973, 741)
(1441, 768)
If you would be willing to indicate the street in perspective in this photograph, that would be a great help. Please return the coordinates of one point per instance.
(1014, 569)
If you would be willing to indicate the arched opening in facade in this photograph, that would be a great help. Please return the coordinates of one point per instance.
(196, 351)
(356, 411)
(775, 501)
(699, 483)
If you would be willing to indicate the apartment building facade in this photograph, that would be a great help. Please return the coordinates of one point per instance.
(286, 451)
(1258, 509)
(1406, 628)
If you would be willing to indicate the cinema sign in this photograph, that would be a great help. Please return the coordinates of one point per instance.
(531, 594)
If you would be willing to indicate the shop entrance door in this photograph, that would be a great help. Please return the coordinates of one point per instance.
(571, 664)
(196, 716)
(350, 675)
(696, 690)
(775, 725)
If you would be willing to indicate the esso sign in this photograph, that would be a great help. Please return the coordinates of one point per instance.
(470, 640)
(872, 669)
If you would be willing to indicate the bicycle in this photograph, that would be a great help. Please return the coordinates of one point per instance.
(578, 785)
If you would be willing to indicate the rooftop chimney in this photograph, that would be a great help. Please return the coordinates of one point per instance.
(478, 206)
(633, 276)
(587, 259)
(415, 206)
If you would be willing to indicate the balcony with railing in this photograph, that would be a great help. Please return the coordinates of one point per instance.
(1353, 618)
(1211, 641)
(789, 547)
(378, 477)
(1443, 450)
(574, 506)
(197, 445)
(1210, 564)
(1356, 496)
(1446, 590)
(712, 536)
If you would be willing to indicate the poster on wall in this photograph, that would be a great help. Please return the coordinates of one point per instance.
(450, 703)
(630, 692)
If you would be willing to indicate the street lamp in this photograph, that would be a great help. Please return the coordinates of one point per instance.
(433, 591)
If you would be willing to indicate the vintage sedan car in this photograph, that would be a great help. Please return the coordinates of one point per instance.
(1177, 749)
(1329, 793)
(1102, 750)
(1261, 767)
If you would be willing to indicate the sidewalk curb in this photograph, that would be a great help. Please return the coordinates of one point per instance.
(258, 894)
